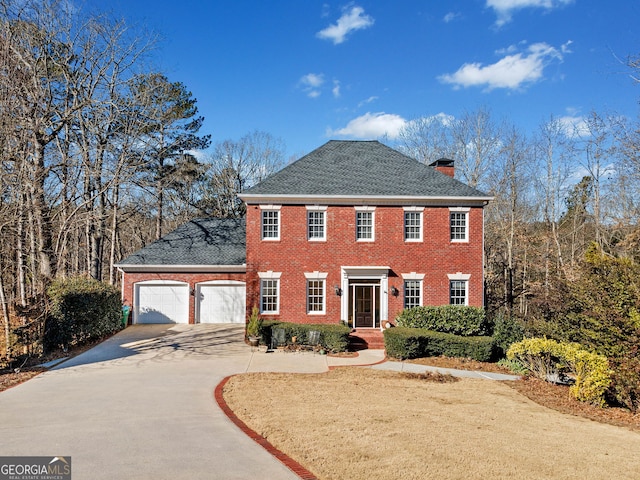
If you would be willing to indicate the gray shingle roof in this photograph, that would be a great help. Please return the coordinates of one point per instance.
(347, 168)
(203, 241)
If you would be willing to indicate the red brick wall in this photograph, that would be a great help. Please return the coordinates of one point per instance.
(436, 256)
(129, 279)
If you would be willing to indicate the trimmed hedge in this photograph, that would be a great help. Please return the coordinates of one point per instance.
(333, 338)
(404, 342)
(456, 319)
(545, 358)
(82, 309)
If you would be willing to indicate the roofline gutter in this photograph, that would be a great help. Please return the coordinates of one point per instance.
(363, 199)
(135, 268)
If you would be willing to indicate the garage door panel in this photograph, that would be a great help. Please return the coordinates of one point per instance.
(222, 303)
(163, 304)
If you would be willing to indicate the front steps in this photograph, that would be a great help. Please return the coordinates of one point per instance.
(366, 338)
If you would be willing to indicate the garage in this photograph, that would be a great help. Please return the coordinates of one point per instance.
(221, 301)
(162, 302)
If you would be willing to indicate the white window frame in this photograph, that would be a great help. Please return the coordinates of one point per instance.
(270, 209)
(316, 277)
(372, 211)
(463, 278)
(270, 276)
(464, 212)
(413, 277)
(419, 211)
(322, 210)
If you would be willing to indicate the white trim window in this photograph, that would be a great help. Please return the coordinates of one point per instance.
(459, 289)
(316, 223)
(413, 224)
(459, 224)
(316, 293)
(412, 289)
(270, 222)
(269, 292)
(365, 224)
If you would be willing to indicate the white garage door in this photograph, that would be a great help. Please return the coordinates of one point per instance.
(162, 303)
(221, 302)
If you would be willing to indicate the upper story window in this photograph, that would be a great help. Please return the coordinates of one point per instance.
(316, 223)
(413, 224)
(459, 224)
(459, 289)
(365, 224)
(270, 222)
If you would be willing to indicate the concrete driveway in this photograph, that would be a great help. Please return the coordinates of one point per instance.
(140, 406)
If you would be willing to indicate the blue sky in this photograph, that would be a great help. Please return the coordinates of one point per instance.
(309, 71)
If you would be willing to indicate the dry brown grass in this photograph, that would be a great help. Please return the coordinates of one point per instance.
(355, 423)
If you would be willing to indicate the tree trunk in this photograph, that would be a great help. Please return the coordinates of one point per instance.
(41, 217)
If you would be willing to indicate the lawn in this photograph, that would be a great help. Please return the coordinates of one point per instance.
(359, 423)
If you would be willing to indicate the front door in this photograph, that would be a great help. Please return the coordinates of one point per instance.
(365, 305)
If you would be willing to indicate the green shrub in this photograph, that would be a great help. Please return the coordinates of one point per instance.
(456, 319)
(333, 338)
(82, 309)
(506, 330)
(514, 365)
(264, 332)
(404, 342)
(625, 382)
(544, 358)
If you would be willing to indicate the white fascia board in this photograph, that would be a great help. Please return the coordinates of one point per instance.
(133, 268)
(363, 200)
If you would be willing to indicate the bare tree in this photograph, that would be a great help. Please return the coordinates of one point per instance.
(428, 139)
(509, 215)
(236, 166)
(554, 150)
(477, 145)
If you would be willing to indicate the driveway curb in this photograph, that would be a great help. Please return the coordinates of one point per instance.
(286, 460)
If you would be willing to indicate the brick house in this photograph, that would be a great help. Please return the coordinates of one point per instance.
(354, 231)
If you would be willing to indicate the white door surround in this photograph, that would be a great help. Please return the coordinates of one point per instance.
(364, 273)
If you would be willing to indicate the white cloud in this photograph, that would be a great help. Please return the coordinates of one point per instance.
(336, 88)
(354, 19)
(450, 17)
(372, 125)
(505, 8)
(371, 99)
(511, 72)
(311, 84)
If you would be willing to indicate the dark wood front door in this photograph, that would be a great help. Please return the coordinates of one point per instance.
(365, 305)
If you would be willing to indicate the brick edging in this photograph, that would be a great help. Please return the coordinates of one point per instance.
(287, 461)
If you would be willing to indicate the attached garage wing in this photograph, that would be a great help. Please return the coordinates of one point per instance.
(166, 302)
(221, 302)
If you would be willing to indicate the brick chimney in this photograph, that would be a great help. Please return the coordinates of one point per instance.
(444, 165)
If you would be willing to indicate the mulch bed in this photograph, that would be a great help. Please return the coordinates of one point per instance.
(10, 379)
(543, 393)
(557, 397)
